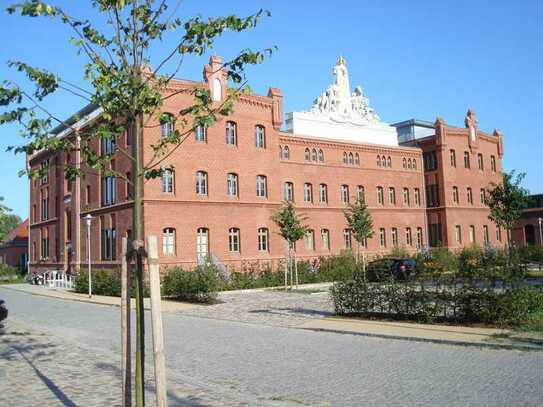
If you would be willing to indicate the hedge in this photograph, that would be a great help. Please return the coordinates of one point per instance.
(198, 285)
(104, 282)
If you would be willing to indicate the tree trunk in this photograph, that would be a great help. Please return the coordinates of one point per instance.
(125, 326)
(287, 265)
(296, 269)
(137, 227)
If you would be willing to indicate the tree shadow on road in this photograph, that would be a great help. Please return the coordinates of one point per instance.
(173, 399)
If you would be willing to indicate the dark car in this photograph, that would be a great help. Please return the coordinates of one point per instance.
(387, 268)
(3, 310)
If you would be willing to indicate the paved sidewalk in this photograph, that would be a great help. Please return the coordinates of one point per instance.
(447, 334)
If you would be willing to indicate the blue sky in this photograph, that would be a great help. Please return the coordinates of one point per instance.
(419, 59)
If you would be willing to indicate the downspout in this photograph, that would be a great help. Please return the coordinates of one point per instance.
(77, 204)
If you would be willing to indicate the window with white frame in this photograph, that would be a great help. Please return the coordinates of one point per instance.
(470, 196)
(167, 182)
(382, 237)
(167, 125)
(323, 193)
(360, 194)
(285, 153)
(288, 191)
(200, 133)
(310, 240)
(261, 186)
(231, 133)
(472, 234)
(233, 240)
(466, 160)
(417, 197)
(263, 244)
(452, 154)
(455, 195)
(458, 234)
(392, 196)
(308, 192)
(419, 238)
(325, 239)
(347, 240)
(321, 156)
(406, 200)
(168, 241)
(314, 155)
(486, 237)
(380, 196)
(260, 137)
(480, 162)
(201, 183)
(345, 194)
(202, 245)
(482, 196)
(408, 237)
(232, 184)
(394, 235)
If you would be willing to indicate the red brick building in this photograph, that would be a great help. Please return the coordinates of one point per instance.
(529, 228)
(228, 179)
(14, 250)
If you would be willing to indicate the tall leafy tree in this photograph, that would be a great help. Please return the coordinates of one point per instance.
(360, 222)
(507, 200)
(120, 81)
(291, 228)
(8, 221)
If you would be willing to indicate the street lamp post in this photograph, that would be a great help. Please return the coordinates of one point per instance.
(540, 232)
(88, 219)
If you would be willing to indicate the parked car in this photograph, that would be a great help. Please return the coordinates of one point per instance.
(387, 268)
(3, 310)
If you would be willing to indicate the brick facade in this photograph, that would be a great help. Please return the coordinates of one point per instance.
(183, 219)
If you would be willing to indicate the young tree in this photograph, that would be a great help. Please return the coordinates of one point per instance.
(129, 93)
(360, 223)
(8, 221)
(506, 201)
(292, 229)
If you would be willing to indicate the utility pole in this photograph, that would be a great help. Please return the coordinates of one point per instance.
(88, 219)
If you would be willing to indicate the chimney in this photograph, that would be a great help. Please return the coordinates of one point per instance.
(277, 107)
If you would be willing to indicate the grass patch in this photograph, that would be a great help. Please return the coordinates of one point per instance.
(534, 274)
(535, 324)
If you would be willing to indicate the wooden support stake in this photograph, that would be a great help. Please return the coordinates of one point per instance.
(156, 318)
(125, 326)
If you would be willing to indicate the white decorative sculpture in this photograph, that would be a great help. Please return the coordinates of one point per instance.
(341, 106)
(339, 114)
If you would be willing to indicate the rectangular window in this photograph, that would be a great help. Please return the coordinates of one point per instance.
(109, 238)
(44, 204)
(323, 193)
(108, 190)
(347, 241)
(260, 138)
(498, 234)
(310, 240)
(325, 237)
(44, 172)
(493, 163)
(288, 192)
(360, 194)
(406, 200)
(417, 197)
(87, 195)
(380, 196)
(453, 158)
(308, 193)
(480, 162)
(168, 241)
(394, 237)
(167, 182)
(233, 240)
(382, 238)
(44, 244)
(472, 234)
(466, 160)
(470, 196)
(392, 196)
(345, 194)
(263, 240)
(408, 237)
(261, 186)
(201, 183)
(485, 234)
(200, 134)
(108, 146)
(231, 133)
(232, 185)
(458, 234)
(419, 238)
(456, 199)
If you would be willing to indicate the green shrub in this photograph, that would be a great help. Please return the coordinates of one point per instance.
(337, 268)
(104, 282)
(198, 285)
(10, 274)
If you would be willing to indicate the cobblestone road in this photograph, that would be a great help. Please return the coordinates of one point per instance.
(221, 362)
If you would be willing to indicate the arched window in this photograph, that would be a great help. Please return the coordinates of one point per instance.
(233, 240)
(314, 155)
(201, 183)
(360, 194)
(345, 194)
(167, 124)
(406, 200)
(200, 133)
(261, 186)
(392, 196)
(289, 191)
(263, 244)
(378, 160)
(167, 181)
(308, 192)
(285, 153)
(202, 245)
(389, 162)
(347, 242)
(345, 158)
(404, 163)
(409, 164)
(307, 154)
(357, 159)
(168, 241)
(325, 238)
(310, 240)
(260, 137)
(231, 133)
(351, 158)
(321, 156)
(232, 184)
(380, 196)
(414, 164)
(323, 193)
(466, 160)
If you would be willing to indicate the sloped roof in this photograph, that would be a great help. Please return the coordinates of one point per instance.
(20, 232)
